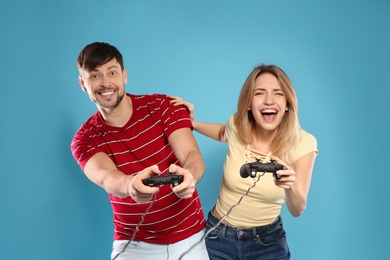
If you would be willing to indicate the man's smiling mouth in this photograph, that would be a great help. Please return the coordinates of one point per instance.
(107, 93)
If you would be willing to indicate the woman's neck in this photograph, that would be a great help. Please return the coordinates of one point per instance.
(262, 141)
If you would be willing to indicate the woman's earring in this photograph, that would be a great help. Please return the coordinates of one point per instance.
(286, 109)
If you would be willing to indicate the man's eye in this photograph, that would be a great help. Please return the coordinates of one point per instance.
(94, 76)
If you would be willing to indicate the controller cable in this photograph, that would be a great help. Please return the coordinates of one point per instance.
(139, 223)
(205, 235)
(225, 216)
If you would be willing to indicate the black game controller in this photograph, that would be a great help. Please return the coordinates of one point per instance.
(157, 180)
(251, 169)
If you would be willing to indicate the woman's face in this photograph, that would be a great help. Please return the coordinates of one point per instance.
(269, 103)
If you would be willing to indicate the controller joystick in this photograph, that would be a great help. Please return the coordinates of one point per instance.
(251, 169)
(158, 180)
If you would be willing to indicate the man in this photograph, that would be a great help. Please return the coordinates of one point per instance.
(131, 138)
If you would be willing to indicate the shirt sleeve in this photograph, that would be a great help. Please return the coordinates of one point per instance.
(173, 117)
(83, 149)
(229, 128)
(307, 144)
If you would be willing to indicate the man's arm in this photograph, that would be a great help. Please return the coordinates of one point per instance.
(186, 150)
(102, 171)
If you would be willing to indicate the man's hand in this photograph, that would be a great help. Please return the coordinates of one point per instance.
(139, 191)
(186, 189)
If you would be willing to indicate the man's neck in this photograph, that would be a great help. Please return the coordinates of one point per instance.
(119, 116)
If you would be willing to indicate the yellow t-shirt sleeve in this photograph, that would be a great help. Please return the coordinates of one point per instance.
(307, 144)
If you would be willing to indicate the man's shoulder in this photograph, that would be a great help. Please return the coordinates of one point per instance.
(147, 97)
(150, 101)
(90, 125)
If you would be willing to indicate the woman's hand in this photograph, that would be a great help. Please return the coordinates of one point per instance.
(215, 131)
(287, 175)
(296, 182)
(177, 101)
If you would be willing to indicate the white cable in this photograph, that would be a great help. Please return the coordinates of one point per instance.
(139, 224)
(222, 218)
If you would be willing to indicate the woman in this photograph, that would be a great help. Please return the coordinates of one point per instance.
(245, 222)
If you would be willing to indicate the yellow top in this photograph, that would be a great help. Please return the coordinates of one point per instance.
(263, 203)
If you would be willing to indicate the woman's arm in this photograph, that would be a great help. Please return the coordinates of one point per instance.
(296, 183)
(212, 130)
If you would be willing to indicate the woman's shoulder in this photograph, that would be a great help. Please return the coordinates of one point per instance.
(307, 141)
(305, 134)
(230, 128)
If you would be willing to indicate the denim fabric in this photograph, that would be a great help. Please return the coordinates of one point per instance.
(260, 243)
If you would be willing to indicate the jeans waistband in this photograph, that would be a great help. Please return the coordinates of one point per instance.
(213, 221)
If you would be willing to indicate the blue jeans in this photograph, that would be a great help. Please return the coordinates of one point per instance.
(260, 243)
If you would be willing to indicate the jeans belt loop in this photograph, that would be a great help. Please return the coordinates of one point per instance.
(254, 231)
(223, 229)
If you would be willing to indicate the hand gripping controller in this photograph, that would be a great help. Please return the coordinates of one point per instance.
(157, 180)
(251, 169)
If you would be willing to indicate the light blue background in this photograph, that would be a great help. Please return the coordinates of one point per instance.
(336, 53)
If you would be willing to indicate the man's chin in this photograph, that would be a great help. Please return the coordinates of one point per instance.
(109, 104)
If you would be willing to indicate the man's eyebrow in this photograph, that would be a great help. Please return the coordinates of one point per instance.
(113, 67)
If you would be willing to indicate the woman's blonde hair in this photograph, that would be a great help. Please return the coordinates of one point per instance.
(288, 132)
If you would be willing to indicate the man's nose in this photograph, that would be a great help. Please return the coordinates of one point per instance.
(105, 81)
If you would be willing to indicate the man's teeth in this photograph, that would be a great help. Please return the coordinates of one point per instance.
(107, 93)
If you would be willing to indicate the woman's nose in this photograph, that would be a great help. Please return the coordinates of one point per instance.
(268, 99)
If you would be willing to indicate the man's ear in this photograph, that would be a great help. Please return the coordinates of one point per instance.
(125, 76)
(81, 82)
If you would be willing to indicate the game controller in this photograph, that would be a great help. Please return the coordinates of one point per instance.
(158, 180)
(251, 169)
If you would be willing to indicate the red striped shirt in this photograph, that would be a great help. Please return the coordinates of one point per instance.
(142, 142)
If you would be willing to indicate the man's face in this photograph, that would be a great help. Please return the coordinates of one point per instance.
(105, 85)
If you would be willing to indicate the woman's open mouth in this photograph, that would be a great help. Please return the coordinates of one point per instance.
(269, 114)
